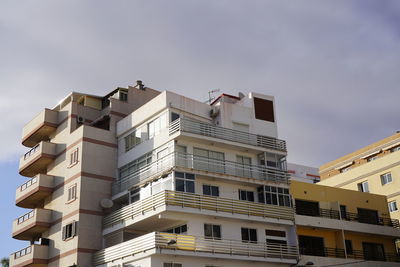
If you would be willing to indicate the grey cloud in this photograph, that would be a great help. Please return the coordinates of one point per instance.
(333, 66)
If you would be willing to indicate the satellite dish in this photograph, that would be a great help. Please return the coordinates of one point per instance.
(106, 203)
(241, 95)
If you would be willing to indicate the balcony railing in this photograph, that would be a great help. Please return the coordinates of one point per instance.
(188, 243)
(334, 214)
(354, 254)
(34, 255)
(28, 184)
(198, 163)
(206, 129)
(325, 213)
(37, 159)
(323, 252)
(359, 254)
(26, 217)
(370, 220)
(31, 151)
(195, 201)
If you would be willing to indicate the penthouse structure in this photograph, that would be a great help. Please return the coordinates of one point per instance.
(146, 178)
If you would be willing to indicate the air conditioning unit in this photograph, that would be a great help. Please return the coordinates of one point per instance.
(214, 113)
(80, 119)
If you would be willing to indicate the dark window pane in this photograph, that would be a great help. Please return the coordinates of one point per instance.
(190, 176)
(261, 198)
(179, 174)
(180, 185)
(206, 190)
(250, 196)
(208, 230)
(184, 228)
(190, 186)
(242, 195)
(245, 234)
(253, 235)
(217, 231)
(174, 116)
(215, 191)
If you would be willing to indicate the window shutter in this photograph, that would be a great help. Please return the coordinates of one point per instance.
(74, 228)
(63, 232)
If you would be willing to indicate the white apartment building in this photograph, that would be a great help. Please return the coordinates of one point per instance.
(146, 178)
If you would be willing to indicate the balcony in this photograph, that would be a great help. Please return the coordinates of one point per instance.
(348, 216)
(34, 255)
(195, 163)
(354, 254)
(40, 128)
(194, 203)
(32, 193)
(173, 244)
(31, 225)
(208, 130)
(37, 159)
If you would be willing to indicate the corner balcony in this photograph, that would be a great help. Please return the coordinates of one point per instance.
(37, 159)
(332, 219)
(32, 193)
(31, 225)
(143, 212)
(40, 128)
(196, 129)
(188, 245)
(200, 165)
(34, 255)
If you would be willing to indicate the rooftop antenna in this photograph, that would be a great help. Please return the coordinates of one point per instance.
(211, 96)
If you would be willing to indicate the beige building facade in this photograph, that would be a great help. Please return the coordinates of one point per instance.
(374, 168)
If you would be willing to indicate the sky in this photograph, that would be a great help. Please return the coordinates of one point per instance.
(333, 66)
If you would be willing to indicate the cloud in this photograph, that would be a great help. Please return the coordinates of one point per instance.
(332, 65)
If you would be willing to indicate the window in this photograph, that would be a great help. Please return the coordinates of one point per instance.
(343, 212)
(174, 116)
(212, 231)
(210, 190)
(264, 109)
(392, 206)
(208, 160)
(123, 95)
(134, 195)
(244, 168)
(373, 251)
(178, 230)
(73, 157)
(154, 127)
(246, 195)
(135, 165)
(345, 169)
(349, 246)
(170, 264)
(69, 230)
(394, 149)
(249, 235)
(386, 178)
(184, 182)
(274, 195)
(363, 187)
(135, 138)
(72, 192)
(372, 158)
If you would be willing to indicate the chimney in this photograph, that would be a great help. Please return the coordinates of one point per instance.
(140, 85)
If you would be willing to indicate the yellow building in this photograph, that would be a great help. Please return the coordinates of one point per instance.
(338, 226)
(374, 168)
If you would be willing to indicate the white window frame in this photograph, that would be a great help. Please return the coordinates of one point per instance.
(386, 178)
(363, 187)
(393, 206)
(72, 192)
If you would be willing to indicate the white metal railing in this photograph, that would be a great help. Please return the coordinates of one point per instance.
(28, 184)
(26, 217)
(23, 252)
(188, 243)
(31, 151)
(196, 201)
(199, 163)
(207, 129)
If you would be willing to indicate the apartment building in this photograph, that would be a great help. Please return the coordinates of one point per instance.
(374, 168)
(146, 178)
(341, 227)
